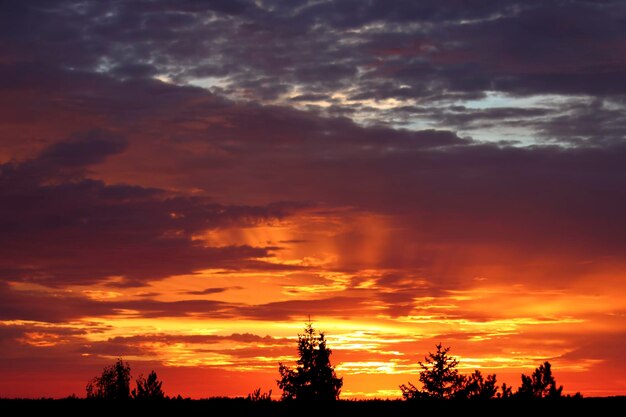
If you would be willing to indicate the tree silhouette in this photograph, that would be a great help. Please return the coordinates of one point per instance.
(313, 378)
(507, 392)
(411, 392)
(540, 384)
(148, 389)
(439, 377)
(112, 384)
(476, 386)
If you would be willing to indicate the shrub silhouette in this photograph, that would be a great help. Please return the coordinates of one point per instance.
(313, 378)
(256, 395)
(112, 384)
(540, 384)
(439, 377)
(148, 389)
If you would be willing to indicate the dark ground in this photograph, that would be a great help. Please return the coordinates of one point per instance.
(241, 407)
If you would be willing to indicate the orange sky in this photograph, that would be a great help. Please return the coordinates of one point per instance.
(184, 185)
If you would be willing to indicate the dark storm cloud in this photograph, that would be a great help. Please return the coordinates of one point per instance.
(416, 49)
(443, 188)
(596, 122)
(302, 52)
(83, 149)
(301, 309)
(606, 347)
(18, 305)
(59, 229)
(59, 307)
(562, 49)
(462, 116)
(118, 345)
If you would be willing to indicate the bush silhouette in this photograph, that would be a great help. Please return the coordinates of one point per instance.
(112, 384)
(148, 389)
(313, 378)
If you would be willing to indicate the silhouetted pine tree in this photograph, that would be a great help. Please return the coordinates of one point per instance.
(313, 378)
(439, 377)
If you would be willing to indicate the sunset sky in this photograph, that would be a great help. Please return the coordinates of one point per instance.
(183, 183)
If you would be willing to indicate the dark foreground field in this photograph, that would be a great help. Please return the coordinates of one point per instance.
(241, 407)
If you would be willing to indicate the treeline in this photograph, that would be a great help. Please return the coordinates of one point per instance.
(441, 379)
(314, 379)
(114, 384)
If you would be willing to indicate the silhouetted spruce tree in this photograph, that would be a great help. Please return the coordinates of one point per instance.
(439, 377)
(112, 384)
(475, 386)
(313, 378)
(540, 384)
(148, 389)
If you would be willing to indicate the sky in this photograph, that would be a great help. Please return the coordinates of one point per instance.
(184, 183)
